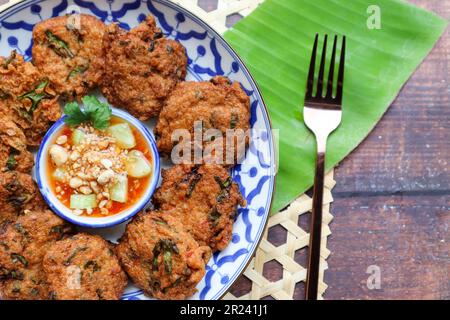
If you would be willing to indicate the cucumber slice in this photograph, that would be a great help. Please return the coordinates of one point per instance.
(119, 192)
(77, 136)
(137, 164)
(60, 175)
(123, 135)
(82, 201)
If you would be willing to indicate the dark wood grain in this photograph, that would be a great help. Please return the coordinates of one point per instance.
(406, 237)
(392, 195)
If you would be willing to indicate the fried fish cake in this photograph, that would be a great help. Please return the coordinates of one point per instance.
(69, 49)
(23, 244)
(142, 68)
(13, 148)
(26, 239)
(27, 98)
(84, 267)
(218, 104)
(160, 257)
(204, 198)
(37, 203)
(17, 191)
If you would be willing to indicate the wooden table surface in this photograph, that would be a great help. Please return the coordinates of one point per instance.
(392, 204)
(392, 199)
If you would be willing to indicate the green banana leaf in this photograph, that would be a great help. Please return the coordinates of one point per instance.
(275, 41)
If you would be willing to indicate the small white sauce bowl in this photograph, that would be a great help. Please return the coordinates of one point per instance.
(60, 209)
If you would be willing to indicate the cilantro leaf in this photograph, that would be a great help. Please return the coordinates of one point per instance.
(58, 45)
(11, 162)
(36, 96)
(75, 115)
(77, 70)
(95, 112)
(101, 120)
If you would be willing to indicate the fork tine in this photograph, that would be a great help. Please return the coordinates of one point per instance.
(329, 93)
(341, 73)
(312, 64)
(322, 68)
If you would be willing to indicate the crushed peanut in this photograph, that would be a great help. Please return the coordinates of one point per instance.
(91, 166)
(61, 140)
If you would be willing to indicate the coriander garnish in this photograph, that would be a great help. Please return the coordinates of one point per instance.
(77, 70)
(36, 95)
(234, 120)
(165, 247)
(58, 45)
(11, 163)
(94, 111)
(19, 258)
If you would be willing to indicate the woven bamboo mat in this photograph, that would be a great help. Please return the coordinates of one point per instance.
(297, 239)
(221, 14)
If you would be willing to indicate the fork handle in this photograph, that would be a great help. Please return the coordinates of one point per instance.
(315, 235)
